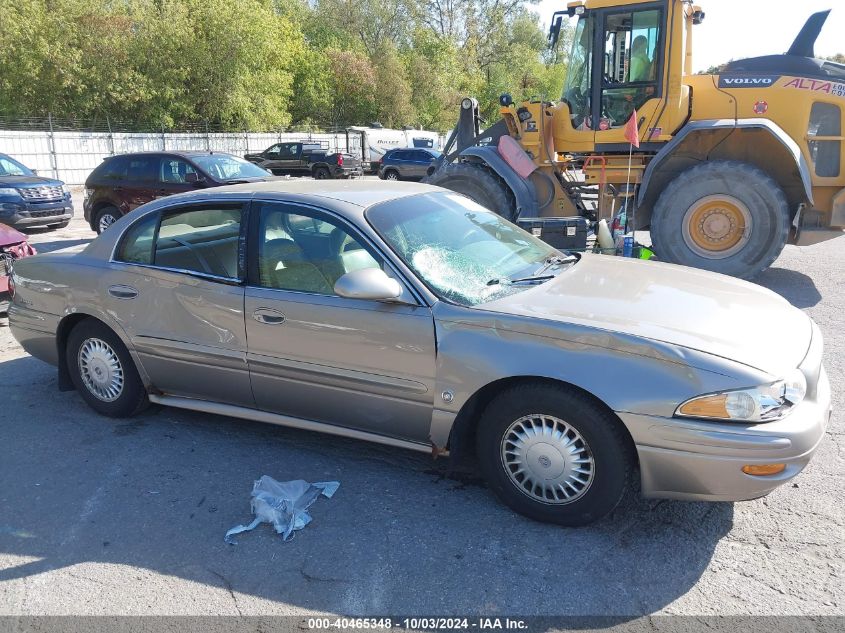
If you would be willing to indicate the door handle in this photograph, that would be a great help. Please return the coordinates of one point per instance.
(123, 292)
(268, 316)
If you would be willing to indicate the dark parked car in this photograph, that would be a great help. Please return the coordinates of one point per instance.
(13, 245)
(27, 199)
(307, 159)
(124, 182)
(407, 163)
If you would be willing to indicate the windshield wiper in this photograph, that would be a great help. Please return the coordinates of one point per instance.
(555, 260)
(539, 275)
(519, 280)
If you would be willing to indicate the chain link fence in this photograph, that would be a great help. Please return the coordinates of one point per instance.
(69, 149)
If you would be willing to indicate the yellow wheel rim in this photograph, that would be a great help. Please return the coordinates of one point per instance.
(717, 226)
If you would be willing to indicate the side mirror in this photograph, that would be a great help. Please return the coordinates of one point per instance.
(34, 172)
(368, 283)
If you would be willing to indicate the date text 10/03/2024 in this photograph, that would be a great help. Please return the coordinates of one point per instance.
(419, 624)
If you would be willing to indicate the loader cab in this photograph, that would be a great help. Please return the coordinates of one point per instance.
(616, 65)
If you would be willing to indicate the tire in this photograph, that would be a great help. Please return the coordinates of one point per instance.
(596, 434)
(104, 218)
(698, 219)
(322, 173)
(478, 183)
(392, 174)
(100, 344)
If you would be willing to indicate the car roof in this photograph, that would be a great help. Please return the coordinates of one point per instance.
(361, 193)
(169, 152)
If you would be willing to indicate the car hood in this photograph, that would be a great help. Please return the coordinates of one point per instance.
(29, 181)
(9, 236)
(703, 311)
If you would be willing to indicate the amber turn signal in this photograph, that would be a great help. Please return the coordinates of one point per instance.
(763, 469)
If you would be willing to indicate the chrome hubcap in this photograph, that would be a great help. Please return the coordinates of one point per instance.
(547, 459)
(392, 176)
(100, 369)
(106, 221)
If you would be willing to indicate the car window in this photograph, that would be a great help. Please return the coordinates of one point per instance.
(225, 167)
(113, 168)
(304, 252)
(176, 171)
(399, 156)
(203, 240)
(422, 157)
(273, 150)
(137, 244)
(10, 167)
(143, 168)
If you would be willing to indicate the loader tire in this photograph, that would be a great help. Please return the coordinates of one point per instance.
(724, 216)
(479, 183)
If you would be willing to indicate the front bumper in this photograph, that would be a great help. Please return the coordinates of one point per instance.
(701, 460)
(23, 214)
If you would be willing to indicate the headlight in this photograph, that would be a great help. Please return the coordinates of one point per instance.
(757, 404)
(88, 193)
(66, 190)
(9, 191)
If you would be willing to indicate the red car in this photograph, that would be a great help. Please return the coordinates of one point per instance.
(13, 245)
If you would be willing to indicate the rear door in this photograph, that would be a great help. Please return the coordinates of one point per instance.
(399, 159)
(314, 355)
(176, 286)
(140, 184)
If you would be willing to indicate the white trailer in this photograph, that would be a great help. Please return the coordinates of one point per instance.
(375, 141)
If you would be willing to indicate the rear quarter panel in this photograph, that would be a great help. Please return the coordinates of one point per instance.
(49, 288)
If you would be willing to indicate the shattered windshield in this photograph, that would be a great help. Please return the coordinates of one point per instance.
(462, 251)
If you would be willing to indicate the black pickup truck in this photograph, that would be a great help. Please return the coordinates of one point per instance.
(302, 159)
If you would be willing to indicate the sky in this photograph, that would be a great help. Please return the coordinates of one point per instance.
(735, 29)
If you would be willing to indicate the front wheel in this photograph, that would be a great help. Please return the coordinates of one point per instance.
(103, 372)
(553, 454)
(105, 218)
(724, 216)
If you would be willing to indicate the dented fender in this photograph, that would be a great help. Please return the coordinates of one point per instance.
(476, 348)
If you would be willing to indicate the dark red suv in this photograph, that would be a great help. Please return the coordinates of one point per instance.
(124, 182)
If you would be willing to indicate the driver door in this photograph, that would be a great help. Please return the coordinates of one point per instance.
(628, 75)
(357, 363)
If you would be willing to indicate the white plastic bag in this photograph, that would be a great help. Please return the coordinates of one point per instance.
(284, 504)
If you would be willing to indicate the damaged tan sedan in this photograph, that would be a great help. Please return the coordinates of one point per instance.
(409, 315)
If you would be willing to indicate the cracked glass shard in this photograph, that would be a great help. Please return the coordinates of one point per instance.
(283, 504)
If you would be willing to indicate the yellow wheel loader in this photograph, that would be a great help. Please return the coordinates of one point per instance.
(729, 168)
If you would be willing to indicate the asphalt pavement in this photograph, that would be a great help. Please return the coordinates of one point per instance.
(127, 517)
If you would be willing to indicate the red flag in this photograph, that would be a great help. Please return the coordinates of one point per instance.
(632, 132)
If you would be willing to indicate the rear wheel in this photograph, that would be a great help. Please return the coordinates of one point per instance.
(105, 218)
(724, 216)
(478, 183)
(103, 371)
(391, 174)
(553, 454)
(322, 173)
